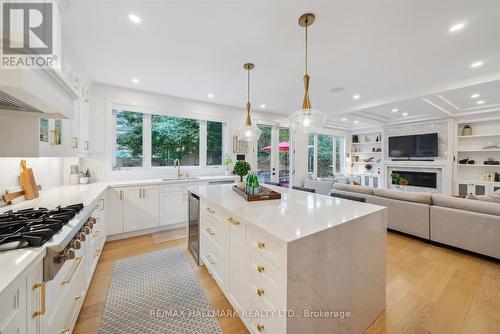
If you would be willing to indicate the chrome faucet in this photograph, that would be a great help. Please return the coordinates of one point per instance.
(177, 164)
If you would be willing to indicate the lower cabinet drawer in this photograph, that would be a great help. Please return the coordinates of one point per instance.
(216, 231)
(214, 259)
(267, 319)
(263, 270)
(62, 318)
(13, 308)
(267, 246)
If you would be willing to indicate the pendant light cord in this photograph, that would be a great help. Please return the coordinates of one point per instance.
(307, 23)
(248, 86)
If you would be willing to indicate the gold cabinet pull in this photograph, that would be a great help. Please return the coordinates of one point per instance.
(261, 244)
(78, 260)
(260, 269)
(96, 233)
(210, 210)
(260, 292)
(260, 327)
(42, 299)
(209, 231)
(121, 195)
(233, 221)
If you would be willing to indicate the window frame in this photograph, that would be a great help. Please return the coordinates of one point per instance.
(342, 150)
(147, 140)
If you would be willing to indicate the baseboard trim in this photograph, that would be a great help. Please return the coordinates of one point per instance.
(143, 232)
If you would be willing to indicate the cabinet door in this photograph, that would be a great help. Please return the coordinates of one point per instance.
(34, 291)
(132, 209)
(115, 210)
(151, 206)
(238, 265)
(173, 207)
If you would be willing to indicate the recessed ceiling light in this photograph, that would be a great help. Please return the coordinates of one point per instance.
(263, 106)
(134, 18)
(457, 27)
(135, 80)
(475, 96)
(480, 102)
(356, 96)
(405, 114)
(476, 64)
(344, 119)
(395, 110)
(356, 122)
(210, 95)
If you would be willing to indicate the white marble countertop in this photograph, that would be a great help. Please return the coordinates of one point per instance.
(14, 263)
(296, 215)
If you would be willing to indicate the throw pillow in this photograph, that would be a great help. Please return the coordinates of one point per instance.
(497, 192)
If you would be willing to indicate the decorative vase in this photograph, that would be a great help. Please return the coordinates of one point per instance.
(467, 130)
(84, 180)
(240, 185)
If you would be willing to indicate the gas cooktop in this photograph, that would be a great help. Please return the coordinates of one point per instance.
(33, 227)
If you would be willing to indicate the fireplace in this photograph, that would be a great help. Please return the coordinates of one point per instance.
(419, 179)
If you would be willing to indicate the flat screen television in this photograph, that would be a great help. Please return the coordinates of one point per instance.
(414, 146)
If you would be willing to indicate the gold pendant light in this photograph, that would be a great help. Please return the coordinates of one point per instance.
(249, 131)
(307, 119)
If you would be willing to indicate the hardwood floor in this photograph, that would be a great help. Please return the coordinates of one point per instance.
(430, 289)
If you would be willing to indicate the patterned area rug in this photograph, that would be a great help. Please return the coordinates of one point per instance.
(157, 293)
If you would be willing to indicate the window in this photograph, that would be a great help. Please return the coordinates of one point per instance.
(325, 155)
(310, 153)
(128, 139)
(174, 138)
(214, 143)
(146, 140)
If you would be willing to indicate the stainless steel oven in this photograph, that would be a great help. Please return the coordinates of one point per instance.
(194, 226)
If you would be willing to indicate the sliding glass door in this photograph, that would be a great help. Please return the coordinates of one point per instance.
(283, 156)
(273, 155)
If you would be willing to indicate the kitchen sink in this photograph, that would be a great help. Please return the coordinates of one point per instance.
(179, 178)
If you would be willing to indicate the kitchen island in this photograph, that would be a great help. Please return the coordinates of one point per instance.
(307, 263)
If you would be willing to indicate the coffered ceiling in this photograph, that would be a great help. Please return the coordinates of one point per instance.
(393, 53)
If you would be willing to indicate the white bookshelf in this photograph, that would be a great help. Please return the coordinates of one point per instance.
(477, 178)
(366, 147)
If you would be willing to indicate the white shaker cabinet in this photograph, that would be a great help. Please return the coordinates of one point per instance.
(173, 204)
(115, 210)
(150, 207)
(22, 305)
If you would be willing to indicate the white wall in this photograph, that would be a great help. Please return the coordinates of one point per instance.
(101, 136)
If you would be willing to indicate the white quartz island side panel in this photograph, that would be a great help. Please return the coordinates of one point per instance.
(304, 253)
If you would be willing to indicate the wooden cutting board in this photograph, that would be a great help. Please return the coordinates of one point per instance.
(28, 182)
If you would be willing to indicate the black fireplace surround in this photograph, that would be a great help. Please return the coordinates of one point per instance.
(419, 179)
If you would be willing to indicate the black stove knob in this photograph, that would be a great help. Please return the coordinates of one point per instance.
(93, 220)
(81, 236)
(70, 254)
(89, 223)
(76, 244)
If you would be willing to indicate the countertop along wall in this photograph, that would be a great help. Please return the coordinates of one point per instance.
(101, 136)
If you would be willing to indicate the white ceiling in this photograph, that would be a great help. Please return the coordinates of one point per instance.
(387, 51)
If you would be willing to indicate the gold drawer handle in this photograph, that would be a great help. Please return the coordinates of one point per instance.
(233, 221)
(96, 233)
(209, 258)
(261, 245)
(260, 269)
(209, 231)
(260, 292)
(78, 260)
(260, 327)
(42, 299)
(210, 210)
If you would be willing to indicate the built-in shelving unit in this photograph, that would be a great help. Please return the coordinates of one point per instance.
(365, 146)
(477, 178)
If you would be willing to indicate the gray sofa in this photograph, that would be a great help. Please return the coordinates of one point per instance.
(468, 224)
(323, 186)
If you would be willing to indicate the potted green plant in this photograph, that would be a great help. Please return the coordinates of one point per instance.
(84, 177)
(227, 164)
(241, 168)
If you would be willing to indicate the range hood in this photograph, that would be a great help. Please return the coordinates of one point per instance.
(35, 92)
